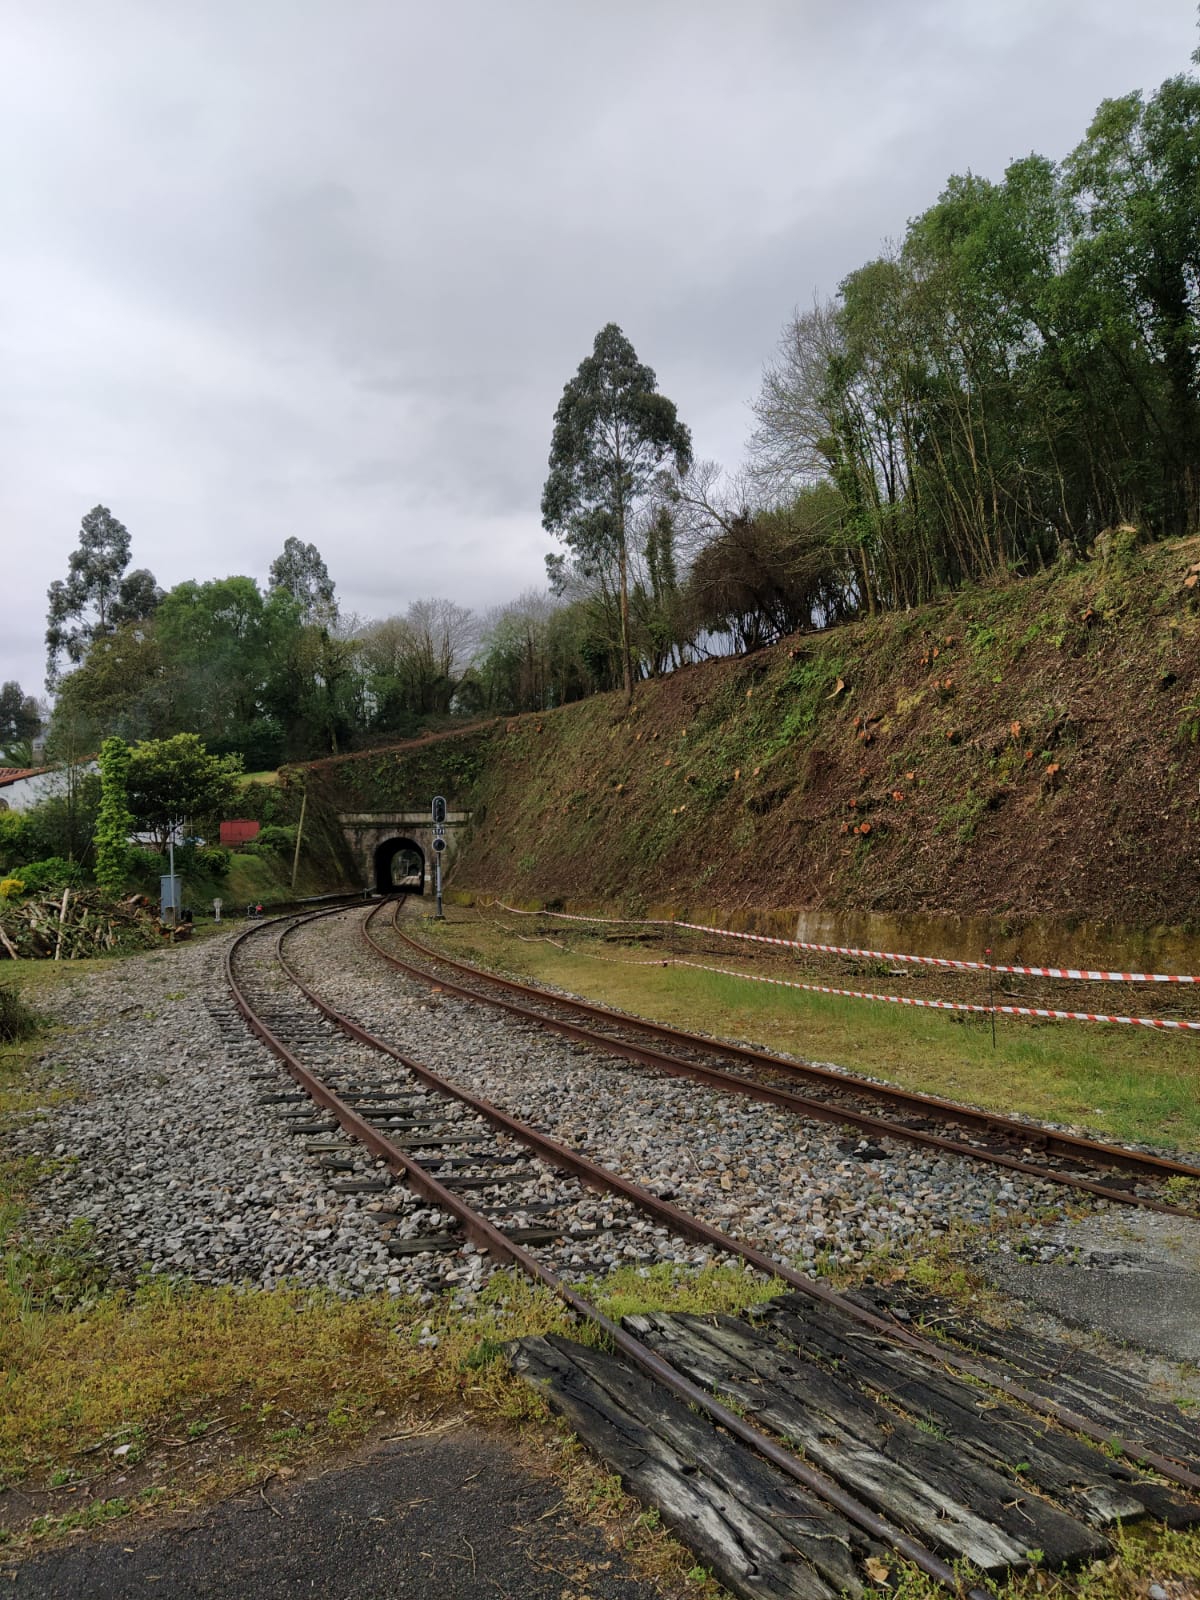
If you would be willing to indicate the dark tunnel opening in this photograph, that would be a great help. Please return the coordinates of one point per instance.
(399, 867)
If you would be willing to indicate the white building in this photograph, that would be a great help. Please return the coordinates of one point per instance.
(22, 788)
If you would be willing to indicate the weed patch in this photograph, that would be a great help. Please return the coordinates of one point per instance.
(18, 1021)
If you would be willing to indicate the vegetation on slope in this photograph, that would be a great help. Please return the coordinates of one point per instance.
(1020, 750)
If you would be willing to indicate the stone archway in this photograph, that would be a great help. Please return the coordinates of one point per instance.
(399, 867)
(367, 831)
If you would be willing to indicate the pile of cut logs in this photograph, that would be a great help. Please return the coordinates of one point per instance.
(75, 924)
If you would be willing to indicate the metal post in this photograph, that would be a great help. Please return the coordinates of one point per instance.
(173, 916)
(437, 869)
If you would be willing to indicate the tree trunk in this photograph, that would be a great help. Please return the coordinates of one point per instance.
(626, 668)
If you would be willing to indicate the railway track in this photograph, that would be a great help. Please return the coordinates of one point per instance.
(1112, 1172)
(796, 1450)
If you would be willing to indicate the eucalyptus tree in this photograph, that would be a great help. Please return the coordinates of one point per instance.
(613, 432)
(300, 571)
(96, 595)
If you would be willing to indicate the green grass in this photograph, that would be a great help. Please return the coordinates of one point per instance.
(1126, 1083)
(1129, 1084)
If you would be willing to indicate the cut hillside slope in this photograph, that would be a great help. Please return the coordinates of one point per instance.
(1024, 751)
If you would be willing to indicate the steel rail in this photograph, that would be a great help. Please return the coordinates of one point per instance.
(602, 1178)
(820, 1110)
(492, 1239)
(1053, 1141)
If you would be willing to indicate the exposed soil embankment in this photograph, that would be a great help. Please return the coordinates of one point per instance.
(1025, 751)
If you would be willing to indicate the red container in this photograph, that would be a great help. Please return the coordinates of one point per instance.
(240, 831)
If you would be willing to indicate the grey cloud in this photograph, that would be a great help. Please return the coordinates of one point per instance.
(324, 269)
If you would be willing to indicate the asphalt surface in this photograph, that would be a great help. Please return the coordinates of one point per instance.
(459, 1517)
(1136, 1278)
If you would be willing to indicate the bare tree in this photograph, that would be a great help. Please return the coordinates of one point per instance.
(789, 446)
(415, 662)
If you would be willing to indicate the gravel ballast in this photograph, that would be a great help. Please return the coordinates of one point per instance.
(165, 1151)
(170, 1156)
(801, 1190)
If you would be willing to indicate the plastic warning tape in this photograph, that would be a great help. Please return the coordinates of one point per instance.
(1094, 975)
(942, 1005)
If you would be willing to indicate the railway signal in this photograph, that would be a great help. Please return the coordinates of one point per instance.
(439, 844)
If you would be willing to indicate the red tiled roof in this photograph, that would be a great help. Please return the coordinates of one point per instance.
(12, 774)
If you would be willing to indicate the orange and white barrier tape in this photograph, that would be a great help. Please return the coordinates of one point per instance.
(1096, 975)
(941, 1005)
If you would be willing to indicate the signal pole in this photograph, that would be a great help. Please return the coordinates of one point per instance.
(439, 844)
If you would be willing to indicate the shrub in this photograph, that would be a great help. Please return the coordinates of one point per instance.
(144, 866)
(63, 825)
(52, 873)
(13, 840)
(213, 860)
(272, 840)
(17, 1021)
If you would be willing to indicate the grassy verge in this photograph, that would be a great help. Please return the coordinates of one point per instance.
(1125, 1083)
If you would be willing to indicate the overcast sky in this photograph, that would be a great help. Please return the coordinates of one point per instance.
(322, 267)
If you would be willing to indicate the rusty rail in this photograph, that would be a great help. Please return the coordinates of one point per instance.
(1064, 1145)
(492, 1239)
(688, 1226)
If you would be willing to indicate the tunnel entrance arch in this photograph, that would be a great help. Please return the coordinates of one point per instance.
(373, 837)
(399, 867)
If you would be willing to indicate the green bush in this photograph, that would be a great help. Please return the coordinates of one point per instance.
(213, 860)
(64, 825)
(52, 873)
(272, 840)
(17, 1021)
(13, 840)
(144, 866)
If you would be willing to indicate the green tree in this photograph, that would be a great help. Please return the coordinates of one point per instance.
(96, 595)
(114, 822)
(512, 667)
(122, 688)
(301, 573)
(1135, 180)
(20, 722)
(412, 665)
(1020, 373)
(174, 779)
(222, 645)
(612, 433)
